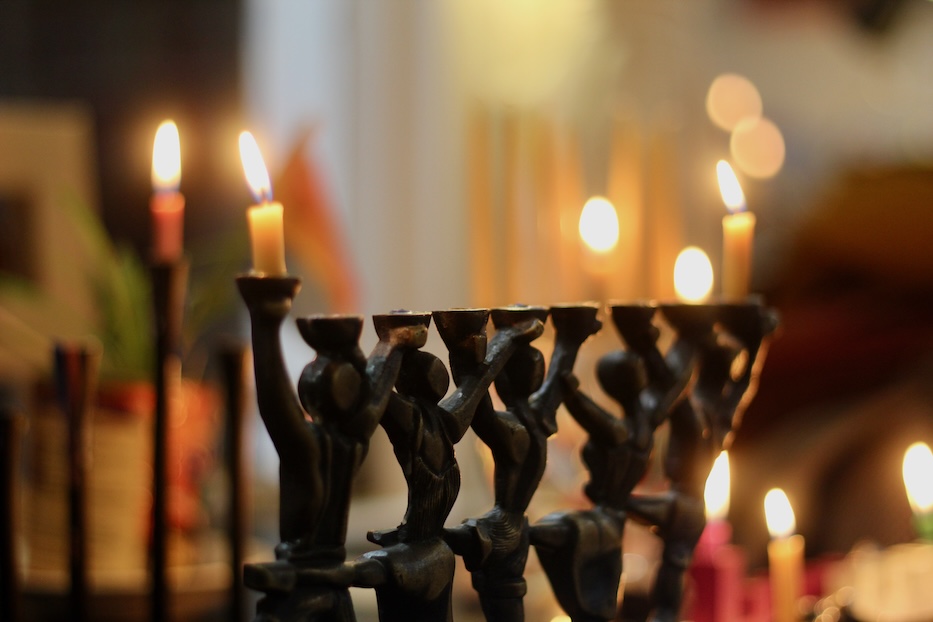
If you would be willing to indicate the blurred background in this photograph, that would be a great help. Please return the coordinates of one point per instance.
(435, 154)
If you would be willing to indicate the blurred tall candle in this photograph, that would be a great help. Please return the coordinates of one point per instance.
(167, 205)
(266, 231)
(718, 569)
(738, 234)
(785, 557)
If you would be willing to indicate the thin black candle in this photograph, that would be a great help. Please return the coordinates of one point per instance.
(10, 428)
(232, 359)
(76, 381)
(168, 293)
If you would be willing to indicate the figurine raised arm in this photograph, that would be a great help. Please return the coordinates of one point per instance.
(345, 395)
(700, 427)
(413, 574)
(495, 546)
(580, 550)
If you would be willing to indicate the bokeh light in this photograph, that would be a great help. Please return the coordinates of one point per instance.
(730, 99)
(599, 225)
(757, 147)
(693, 275)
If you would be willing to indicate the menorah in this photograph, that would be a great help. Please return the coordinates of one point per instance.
(701, 385)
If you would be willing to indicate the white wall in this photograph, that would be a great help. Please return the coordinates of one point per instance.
(374, 77)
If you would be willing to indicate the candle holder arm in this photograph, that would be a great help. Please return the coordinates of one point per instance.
(652, 510)
(462, 404)
(549, 535)
(599, 424)
(500, 431)
(382, 369)
(574, 326)
(742, 390)
(398, 420)
(666, 388)
(269, 301)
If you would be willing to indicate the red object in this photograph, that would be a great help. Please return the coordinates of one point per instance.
(168, 221)
(312, 229)
(757, 599)
(718, 576)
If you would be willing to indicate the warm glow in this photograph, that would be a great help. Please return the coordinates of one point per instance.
(166, 158)
(521, 52)
(599, 225)
(730, 99)
(257, 176)
(918, 477)
(561, 618)
(779, 514)
(729, 187)
(716, 493)
(693, 275)
(757, 146)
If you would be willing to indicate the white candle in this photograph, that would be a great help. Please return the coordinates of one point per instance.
(785, 557)
(167, 205)
(267, 233)
(738, 234)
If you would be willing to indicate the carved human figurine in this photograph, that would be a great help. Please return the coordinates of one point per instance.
(495, 546)
(413, 574)
(345, 395)
(700, 426)
(581, 551)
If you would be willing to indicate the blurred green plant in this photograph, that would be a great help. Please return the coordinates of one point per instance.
(122, 318)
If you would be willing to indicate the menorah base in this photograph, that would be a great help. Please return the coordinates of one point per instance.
(287, 600)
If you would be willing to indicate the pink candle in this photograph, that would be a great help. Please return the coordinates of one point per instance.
(167, 205)
(718, 569)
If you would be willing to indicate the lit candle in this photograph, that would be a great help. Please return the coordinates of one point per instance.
(267, 234)
(167, 205)
(599, 230)
(917, 469)
(718, 569)
(738, 233)
(693, 275)
(785, 557)
(716, 495)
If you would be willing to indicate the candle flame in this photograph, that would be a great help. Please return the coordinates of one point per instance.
(729, 187)
(918, 470)
(716, 493)
(257, 175)
(693, 275)
(599, 225)
(166, 158)
(779, 514)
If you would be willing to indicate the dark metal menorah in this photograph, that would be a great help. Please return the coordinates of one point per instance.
(322, 432)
